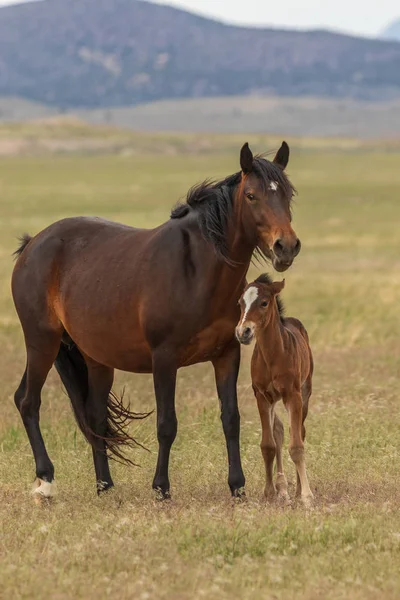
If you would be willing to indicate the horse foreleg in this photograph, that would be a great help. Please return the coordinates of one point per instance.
(294, 405)
(226, 369)
(164, 376)
(281, 481)
(306, 391)
(268, 445)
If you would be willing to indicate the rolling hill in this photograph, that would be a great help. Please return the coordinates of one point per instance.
(304, 116)
(99, 53)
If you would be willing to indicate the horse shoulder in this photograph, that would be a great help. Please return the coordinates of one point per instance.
(260, 371)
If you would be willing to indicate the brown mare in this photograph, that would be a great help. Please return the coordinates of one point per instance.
(281, 368)
(93, 296)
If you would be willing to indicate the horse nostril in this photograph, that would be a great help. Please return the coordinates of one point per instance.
(278, 248)
(247, 332)
(297, 247)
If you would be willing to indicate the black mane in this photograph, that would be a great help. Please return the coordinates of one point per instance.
(265, 278)
(213, 201)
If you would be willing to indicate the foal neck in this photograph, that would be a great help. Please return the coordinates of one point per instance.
(271, 337)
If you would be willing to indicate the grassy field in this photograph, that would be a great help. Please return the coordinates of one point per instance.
(345, 286)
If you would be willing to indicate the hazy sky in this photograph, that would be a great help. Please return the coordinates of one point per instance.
(355, 16)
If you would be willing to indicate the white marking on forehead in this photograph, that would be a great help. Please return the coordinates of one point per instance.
(273, 186)
(249, 297)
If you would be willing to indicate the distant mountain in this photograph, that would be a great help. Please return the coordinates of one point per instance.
(392, 31)
(99, 53)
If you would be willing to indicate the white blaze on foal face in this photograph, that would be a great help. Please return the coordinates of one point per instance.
(249, 297)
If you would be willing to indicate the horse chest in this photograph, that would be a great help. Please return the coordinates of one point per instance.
(262, 377)
(209, 343)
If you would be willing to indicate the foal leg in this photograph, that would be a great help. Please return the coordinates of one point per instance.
(164, 376)
(294, 405)
(281, 481)
(100, 380)
(40, 358)
(306, 391)
(226, 369)
(268, 444)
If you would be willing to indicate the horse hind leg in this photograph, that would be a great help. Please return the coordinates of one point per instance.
(41, 354)
(100, 380)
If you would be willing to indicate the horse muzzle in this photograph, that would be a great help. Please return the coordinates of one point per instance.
(245, 334)
(284, 252)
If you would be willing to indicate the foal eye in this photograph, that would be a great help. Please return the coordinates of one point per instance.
(250, 197)
(264, 304)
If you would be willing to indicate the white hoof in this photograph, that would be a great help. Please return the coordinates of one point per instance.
(43, 489)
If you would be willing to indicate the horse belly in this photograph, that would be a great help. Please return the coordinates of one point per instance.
(119, 344)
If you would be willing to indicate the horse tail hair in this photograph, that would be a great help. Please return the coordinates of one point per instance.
(72, 369)
(23, 242)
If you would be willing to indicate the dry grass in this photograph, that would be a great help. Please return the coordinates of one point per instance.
(297, 116)
(346, 289)
(67, 134)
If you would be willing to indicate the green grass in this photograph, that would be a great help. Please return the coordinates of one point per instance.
(345, 286)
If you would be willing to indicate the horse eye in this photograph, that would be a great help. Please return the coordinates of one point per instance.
(250, 197)
(264, 304)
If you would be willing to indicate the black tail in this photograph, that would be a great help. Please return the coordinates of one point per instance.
(23, 242)
(71, 367)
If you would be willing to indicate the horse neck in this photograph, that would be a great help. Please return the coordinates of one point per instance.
(240, 247)
(271, 338)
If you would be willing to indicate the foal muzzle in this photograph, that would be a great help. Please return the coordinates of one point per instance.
(245, 334)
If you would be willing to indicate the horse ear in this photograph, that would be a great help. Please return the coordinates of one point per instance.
(246, 159)
(282, 156)
(277, 287)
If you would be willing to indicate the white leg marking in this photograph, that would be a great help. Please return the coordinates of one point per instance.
(43, 488)
(250, 296)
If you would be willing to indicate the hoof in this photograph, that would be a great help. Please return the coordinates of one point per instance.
(239, 495)
(103, 486)
(43, 491)
(270, 494)
(283, 499)
(160, 495)
(307, 502)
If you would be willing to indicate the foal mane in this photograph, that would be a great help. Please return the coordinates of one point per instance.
(213, 201)
(267, 279)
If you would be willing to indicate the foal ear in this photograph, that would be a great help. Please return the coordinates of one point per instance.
(246, 159)
(282, 156)
(277, 287)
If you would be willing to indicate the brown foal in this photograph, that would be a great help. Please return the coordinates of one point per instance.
(281, 368)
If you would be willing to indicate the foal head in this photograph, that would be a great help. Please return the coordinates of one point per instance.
(265, 194)
(259, 304)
